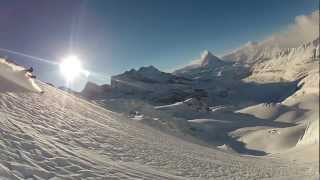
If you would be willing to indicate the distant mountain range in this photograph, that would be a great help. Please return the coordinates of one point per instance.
(221, 77)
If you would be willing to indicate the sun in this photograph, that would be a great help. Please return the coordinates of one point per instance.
(71, 67)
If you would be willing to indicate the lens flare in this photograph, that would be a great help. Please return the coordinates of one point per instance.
(71, 67)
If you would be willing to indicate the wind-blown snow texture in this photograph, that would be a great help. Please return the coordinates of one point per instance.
(56, 135)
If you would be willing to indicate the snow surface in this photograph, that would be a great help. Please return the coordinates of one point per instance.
(57, 135)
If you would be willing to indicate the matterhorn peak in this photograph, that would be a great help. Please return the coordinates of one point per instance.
(149, 68)
(251, 44)
(208, 59)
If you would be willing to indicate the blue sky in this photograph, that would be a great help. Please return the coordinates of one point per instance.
(111, 36)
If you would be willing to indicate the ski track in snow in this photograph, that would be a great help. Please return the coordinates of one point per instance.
(59, 136)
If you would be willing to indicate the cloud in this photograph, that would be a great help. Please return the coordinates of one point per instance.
(303, 30)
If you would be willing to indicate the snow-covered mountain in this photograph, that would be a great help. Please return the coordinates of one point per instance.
(269, 71)
(289, 64)
(210, 66)
(147, 83)
(207, 59)
(218, 77)
(92, 89)
(305, 29)
(256, 53)
(148, 74)
(251, 53)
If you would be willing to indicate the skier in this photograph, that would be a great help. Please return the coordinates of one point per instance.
(30, 70)
(29, 73)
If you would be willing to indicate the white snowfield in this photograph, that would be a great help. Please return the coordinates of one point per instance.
(56, 135)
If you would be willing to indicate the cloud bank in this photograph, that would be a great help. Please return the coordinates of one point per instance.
(304, 29)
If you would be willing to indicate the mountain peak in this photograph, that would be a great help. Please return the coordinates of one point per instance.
(208, 59)
(149, 69)
(251, 44)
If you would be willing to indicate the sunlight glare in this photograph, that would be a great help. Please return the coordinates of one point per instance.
(71, 67)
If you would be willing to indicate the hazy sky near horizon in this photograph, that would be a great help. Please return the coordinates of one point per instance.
(111, 36)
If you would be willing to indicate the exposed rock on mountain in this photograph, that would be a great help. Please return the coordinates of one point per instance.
(147, 83)
(210, 60)
(210, 66)
(91, 89)
(148, 74)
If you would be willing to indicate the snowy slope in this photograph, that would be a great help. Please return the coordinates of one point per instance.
(252, 52)
(304, 29)
(14, 78)
(289, 64)
(56, 135)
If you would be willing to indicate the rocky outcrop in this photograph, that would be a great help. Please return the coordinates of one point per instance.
(209, 60)
(210, 67)
(147, 80)
(93, 90)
